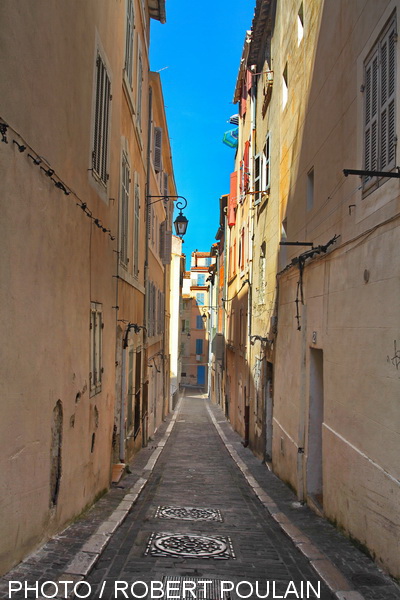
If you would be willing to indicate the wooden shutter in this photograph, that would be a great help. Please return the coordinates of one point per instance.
(232, 200)
(129, 41)
(125, 184)
(257, 178)
(246, 166)
(161, 248)
(371, 113)
(387, 98)
(136, 229)
(157, 156)
(102, 110)
(139, 90)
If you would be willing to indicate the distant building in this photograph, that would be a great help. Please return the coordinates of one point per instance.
(194, 332)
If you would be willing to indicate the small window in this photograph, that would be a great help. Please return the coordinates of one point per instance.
(200, 299)
(139, 90)
(101, 121)
(257, 179)
(129, 40)
(380, 104)
(199, 346)
(300, 24)
(124, 221)
(157, 149)
(201, 279)
(199, 322)
(96, 342)
(285, 92)
(266, 164)
(136, 231)
(310, 189)
(261, 274)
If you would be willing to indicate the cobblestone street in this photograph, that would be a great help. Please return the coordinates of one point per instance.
(210, 511)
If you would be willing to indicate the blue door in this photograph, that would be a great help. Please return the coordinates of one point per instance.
(201, 375)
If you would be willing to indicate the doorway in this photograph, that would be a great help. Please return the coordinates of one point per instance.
(268, 411)
(201, 375)
(315, 421)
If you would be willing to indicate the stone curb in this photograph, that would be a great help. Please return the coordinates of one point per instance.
(84, 561)
(339, 586)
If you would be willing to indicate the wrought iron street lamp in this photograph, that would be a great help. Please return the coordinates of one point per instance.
(181, 222)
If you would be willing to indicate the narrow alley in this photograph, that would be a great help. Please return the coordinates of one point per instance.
(198, 507)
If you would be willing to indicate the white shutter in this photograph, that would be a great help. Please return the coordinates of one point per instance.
(157, 156)
(257, 178)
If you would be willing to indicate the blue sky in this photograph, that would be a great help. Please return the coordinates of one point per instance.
(198, 54)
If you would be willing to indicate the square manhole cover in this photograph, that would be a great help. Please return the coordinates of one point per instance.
(190, 546)
(201, 588)
(188, 513)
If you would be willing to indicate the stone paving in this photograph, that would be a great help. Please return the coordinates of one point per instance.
(201, 507)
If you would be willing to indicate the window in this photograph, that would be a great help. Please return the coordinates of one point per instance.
(310, 189)
(199, 322)
(101, 121)
(379, 103)
(200, 299)
(139, 91)
(266, 156)
(261, 173)
(257, 178)
(96, 338)
(129, 40)
(261, 274)
(199, 346)
(201, 279)
(136, 231)
(300, 24)
(285, 86)
(157, 150)
(125, 183)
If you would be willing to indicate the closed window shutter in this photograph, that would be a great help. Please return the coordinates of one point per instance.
(129, 40)
(168, 247)
(266, 164)
(388, 87)
(232, 201)
(246, 167)
(371, 113)
(124, 210)
(139, 90)
(102, 110)
(165, 183)
(157, 157)
(161, 249)
(257, 179)
(136, 231)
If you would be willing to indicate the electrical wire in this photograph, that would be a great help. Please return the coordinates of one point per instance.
(44, 166)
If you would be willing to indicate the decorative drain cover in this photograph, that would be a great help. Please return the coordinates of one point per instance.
(190, 546)
(201, 588)
(188, 513)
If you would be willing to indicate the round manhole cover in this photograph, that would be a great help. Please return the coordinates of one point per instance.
(367, 579)
(190, 545)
